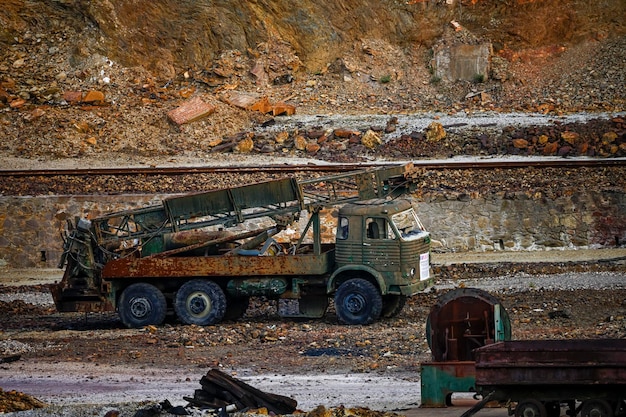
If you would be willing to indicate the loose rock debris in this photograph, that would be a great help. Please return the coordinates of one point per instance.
(11, 401)
(221, 396)
(165, 408)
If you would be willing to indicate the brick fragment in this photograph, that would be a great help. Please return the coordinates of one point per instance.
(242, 100)
(93, 97)
(73, 96)
(345, 133)
(190, 111)
(283, 108)
(262, 106)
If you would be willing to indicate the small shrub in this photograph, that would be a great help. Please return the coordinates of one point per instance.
(435, 79)
(385, 79)
(479, 78)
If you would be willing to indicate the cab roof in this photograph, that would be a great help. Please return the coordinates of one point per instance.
(378, 206)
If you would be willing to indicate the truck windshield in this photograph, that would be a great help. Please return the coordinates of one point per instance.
(408, 224)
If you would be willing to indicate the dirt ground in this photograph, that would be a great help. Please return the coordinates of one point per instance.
(68, 359)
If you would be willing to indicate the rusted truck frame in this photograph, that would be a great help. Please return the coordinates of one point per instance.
(541, 376)
(194, 253)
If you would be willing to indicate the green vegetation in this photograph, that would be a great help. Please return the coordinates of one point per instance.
(479, 78)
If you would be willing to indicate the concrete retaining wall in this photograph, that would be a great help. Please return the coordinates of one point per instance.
(462, 62)
(519, 222)
(30, 227)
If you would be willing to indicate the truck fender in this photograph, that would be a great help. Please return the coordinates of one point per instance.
(380, 282)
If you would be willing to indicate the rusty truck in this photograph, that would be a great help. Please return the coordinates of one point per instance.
(204, 255)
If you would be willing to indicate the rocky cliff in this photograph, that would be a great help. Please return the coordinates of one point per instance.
(169, 36)
(98, 79)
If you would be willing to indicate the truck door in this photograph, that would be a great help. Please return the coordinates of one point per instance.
(381, 248)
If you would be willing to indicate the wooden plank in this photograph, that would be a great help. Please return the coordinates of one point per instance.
(220, 388)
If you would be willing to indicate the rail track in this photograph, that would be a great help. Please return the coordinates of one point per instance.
(450, 174)
(291, 168)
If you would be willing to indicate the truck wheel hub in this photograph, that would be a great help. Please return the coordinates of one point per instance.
(140, 307)
(198, 304)
(355, 303)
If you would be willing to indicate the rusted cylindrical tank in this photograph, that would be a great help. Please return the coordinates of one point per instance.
(465, 319)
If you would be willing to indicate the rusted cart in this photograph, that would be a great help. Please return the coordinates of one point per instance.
(541, 376)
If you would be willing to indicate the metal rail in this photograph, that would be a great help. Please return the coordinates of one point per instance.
(426, 164)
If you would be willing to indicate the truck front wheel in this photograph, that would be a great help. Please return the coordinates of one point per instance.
(358, 301)
(142, 304)
(200, 302)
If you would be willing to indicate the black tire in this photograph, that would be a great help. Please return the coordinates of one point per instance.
(597, 408)
(393, 305)
(530, 408)
(200, 302)
(141, 305)
(358, 301)
(236, 307)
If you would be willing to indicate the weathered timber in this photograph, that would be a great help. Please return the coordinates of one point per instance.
(220, 389)
(10, 358)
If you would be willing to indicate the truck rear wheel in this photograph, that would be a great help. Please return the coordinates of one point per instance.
(358, 301)
(597, 408)
(142, 304)
(200, 302)
(530, 408)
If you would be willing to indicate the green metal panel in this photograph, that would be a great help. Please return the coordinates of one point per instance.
(502, 323)
(246, 287)
(266, 193)
(195, 205)
(440, 379)
(152, 246)
(229, 205)
(382, 254)
(349, 253)
(151, 218)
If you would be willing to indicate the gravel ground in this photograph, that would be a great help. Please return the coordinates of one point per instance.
(525, 282)
(129, 369)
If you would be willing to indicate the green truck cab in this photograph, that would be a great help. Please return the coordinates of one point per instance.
(382, 256)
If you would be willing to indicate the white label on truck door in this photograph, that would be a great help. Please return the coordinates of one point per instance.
(424, 266)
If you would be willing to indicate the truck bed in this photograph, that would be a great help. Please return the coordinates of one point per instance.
(221, 266)
(552, 362)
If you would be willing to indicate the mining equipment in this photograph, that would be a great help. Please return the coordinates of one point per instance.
(204, 255)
